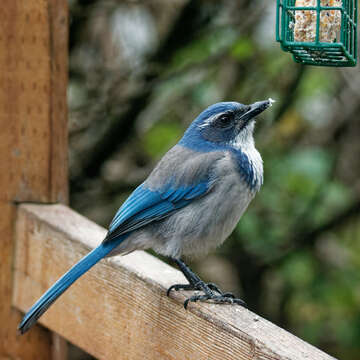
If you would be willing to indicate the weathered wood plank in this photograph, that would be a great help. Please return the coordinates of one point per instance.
(33, 76)
(33, 141)
(59, 348)
(58, 146)
(38, 345)
(119, 309)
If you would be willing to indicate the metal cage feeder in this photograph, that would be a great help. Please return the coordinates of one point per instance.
(318, 32)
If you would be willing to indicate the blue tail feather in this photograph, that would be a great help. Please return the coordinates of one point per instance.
(65, 281)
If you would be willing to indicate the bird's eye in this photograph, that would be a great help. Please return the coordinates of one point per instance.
(224, 120)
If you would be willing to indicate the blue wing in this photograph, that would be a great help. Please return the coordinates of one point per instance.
(145, 206)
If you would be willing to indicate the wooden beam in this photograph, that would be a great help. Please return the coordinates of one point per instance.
(33, 140)
(119, 309)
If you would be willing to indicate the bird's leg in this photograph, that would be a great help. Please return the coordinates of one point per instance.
(195, 283)
(211, 291)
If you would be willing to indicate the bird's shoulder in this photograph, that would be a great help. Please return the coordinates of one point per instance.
(183, 166)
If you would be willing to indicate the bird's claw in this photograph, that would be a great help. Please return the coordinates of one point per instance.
(217, 299)
(208, 289)
(214, 287)
(228, 295)
(178, 287)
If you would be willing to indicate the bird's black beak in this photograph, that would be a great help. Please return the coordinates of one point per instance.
(256, 109)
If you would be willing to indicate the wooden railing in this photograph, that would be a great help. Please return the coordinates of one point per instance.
(119, 309)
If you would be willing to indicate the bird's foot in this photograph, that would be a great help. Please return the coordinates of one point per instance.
(226, 298)
(211, 292)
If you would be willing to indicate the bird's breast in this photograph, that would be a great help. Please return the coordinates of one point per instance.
(249, 166)
(207, 222)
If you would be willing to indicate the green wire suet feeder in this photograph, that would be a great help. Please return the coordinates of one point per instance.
(318, 32)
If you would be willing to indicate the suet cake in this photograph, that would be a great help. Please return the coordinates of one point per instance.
(305, 21)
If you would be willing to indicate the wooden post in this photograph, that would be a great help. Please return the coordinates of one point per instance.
(33, 141)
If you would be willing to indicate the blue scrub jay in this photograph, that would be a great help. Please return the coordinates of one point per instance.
(189, 204)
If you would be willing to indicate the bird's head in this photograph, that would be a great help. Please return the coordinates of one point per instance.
(225, 124)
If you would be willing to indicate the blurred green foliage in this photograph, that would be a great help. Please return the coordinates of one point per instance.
(161, 137)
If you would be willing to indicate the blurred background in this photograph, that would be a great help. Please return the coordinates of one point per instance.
(141, 71)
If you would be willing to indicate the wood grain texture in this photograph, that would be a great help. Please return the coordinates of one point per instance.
(33, 77)
(12, 346)
(59, 348)
(33, 140)
(119, 309)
